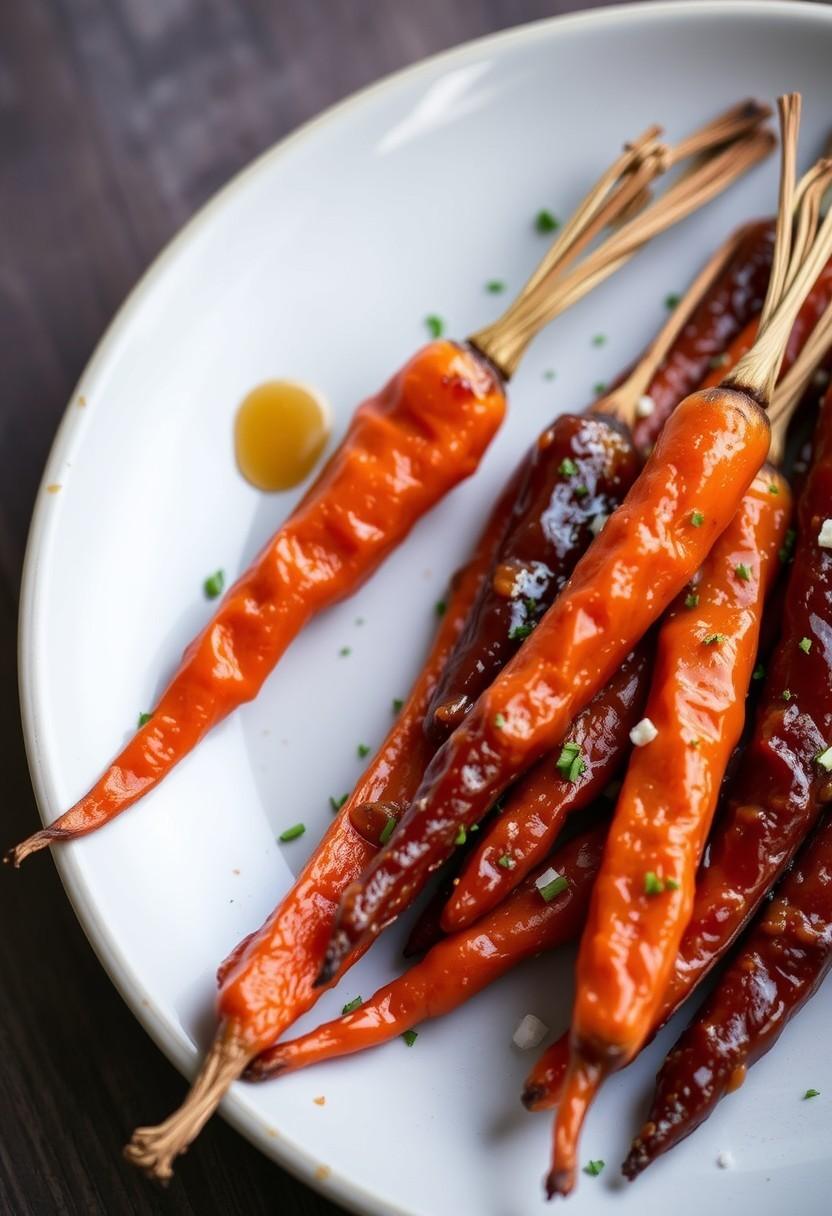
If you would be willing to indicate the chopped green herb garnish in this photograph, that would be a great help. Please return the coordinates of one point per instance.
(352, 1005)
(786, 694)
(388, 830)
(719, 360)
(714, 639)
(554, 888)
(672, 884)
(697, 519)
(292, 833)
(495, 286)
(440, 607)
(581, 491)
(805, 644)
(567, 467)
(518, 632)
(345, 651)
(785, 553)
(599, 339)
(671, 301)
(570, 762)
(505, 862)
(214, 584)
(773, 489)
(759, 672)
(653, 885)
(362, 750)
(144, 719)
(499, 721)
(461, 836)
(545, 222)
(811, 1093)
(410, 1037)
(599, 388)
(337, 803)
(742, 572)
(549, 374)
(691, 600)
(434, 325)
(593, 1168)
(398, 705)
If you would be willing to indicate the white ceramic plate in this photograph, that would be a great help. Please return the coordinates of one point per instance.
(320, 263)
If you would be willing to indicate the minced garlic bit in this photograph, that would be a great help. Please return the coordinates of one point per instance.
(597, 522)
(725, 1160)
(825, 534)
(645, 406)
(643, 732)
(530, 1032)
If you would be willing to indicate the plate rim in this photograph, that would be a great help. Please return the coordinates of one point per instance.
(287, 1152)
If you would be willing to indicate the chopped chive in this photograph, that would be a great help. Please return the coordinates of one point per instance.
(549, 374)
(786, 694)
(545, 222)
(499, 721)
(593, 1168)
(599, 339)
(362, 750)
(570, 763)
(599, 388)
(581, 491)
(495, 286)
(345, 651)
(672, 301)
(742, 572)
(352, 1005)
(811, 1093)
(697, 519)
(805, 644)
(672, 884)
(388, 830)
(691, 600)
(773, 488)
(292, 833)
(440, 607)
(653, 885)
(567, 467)
(434, 325)
(462, 835)
(759, 672)
(337, 803)
(410, 1037)
(518, 632)
(554, 888)
(714, 639)
(214, 584)
(505, 862)
(398, 705)
(144, 718)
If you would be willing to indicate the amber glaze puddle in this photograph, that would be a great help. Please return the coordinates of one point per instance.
(280, 431)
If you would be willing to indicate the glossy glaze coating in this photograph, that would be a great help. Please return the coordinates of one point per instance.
(405, 449)
(705, 459)
(781, 964)
(643, 896)
(734, 299)
(457, 967)
(536, 808)
(579, 469)
(268, 980)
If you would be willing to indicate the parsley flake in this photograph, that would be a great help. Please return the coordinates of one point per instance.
(362, 750)
(593, 1168)
(144, 719)
(567, 467)
(352, 1005)
(434, 325)
(545, 222)
(214, 584)
(410, 1037)
(505, 862)
(653, 885)
(697, 519)
(742, 572)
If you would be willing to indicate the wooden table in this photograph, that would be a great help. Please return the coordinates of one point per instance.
(118, 118)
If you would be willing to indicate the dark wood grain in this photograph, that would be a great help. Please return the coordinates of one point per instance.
(118, 118)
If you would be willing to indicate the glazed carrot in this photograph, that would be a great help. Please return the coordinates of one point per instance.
(775, 795)
(536, 808)
(458, 966)
(405, 449)
(643, 896)
(781, 964)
